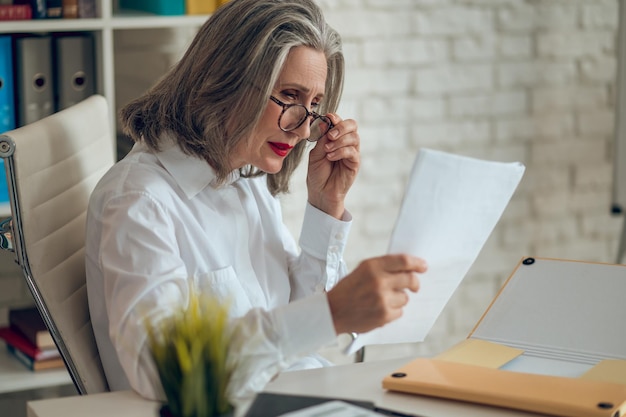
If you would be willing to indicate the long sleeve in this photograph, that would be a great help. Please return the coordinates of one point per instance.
(319, 265)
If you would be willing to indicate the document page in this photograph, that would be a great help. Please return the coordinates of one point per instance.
(450, 207)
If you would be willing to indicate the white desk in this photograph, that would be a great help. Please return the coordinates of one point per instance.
(360, 381)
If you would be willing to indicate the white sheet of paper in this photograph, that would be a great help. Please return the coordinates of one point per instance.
(332, 409)
(450, 207)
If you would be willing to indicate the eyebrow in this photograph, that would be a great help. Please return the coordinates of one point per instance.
(299, 87)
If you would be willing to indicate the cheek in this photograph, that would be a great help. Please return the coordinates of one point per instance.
(266, 128)
(269, 119)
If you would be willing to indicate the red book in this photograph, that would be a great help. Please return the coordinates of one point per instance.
(33, 365)
(28, 321)
(18, 341)
(15, 12)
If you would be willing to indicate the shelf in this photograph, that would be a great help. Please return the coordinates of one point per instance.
(15, 376)
(147, 21)
(122, 20)
(50, 25)
(154, 22)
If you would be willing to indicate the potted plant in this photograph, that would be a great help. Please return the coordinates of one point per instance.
(190, 350)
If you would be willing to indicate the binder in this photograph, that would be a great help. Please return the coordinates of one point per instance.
(87, 9)
(7, 110)
(74, 73)
(15, 12)
(193, 7)
(34, 90)
(54, 9)
(70, 9)
(159, 7)
(38, 7)
(555, 324)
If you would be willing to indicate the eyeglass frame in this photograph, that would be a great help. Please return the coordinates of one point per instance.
(313, 114)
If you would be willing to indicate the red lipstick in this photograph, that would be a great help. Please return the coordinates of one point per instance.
(279, 148)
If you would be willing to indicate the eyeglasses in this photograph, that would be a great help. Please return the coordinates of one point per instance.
(293, 115)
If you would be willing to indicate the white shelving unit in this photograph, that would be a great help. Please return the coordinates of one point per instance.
(13, 375)
(110, 19)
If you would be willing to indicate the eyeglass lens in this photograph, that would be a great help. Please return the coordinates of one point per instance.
(294, 116)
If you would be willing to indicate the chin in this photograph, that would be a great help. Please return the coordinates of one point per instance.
(271, 168)
(273, 171)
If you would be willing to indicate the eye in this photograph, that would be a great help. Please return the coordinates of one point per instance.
(290, 95)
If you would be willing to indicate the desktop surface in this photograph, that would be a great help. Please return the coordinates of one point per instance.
(359, 381)
(363, 381)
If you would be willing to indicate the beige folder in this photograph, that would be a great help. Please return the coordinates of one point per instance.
(558, 396)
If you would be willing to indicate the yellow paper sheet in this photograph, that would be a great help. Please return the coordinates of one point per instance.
(608, 370)
(481, 353)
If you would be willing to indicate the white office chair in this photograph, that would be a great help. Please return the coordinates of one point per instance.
(52, 166)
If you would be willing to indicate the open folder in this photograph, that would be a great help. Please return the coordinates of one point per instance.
(552, 341)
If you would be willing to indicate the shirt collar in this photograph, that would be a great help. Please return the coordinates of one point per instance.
(191, 173)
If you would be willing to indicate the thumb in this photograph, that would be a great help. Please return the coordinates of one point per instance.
(318, 151)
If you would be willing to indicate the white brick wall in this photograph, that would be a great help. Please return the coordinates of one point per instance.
(497, 79)
(506, 80)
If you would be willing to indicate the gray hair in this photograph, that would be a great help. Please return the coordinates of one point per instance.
(216, 94)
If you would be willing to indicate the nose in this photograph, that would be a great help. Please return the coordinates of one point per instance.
(304, 130)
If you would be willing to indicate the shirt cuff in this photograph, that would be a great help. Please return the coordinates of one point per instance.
(305, 325)
(323, 235)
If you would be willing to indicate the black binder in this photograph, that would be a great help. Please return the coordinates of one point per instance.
(74, 69)
(35, 98)
(267, 404)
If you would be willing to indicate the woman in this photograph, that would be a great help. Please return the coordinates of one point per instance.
(193, 207)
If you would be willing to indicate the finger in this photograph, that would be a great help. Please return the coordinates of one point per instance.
(403, 262)
(411, 281)
(348, 154)
(349, 139)
(341, 128)
(335, 120)
(319, 151)
(397, 299)
(404, 281)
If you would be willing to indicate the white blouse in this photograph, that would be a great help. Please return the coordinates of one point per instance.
(157, 226)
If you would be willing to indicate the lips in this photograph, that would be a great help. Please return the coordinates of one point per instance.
(279, 148)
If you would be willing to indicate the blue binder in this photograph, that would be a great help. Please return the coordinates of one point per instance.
(7, 85)
(7, 108)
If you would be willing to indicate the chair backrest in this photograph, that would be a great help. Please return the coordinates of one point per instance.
(52, 166)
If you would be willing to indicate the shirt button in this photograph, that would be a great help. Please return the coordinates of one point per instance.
(339, 236)
(334, 249)
(319, 287)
